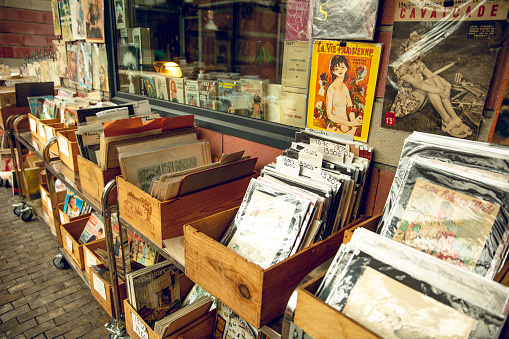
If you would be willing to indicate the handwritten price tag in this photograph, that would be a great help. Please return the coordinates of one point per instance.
(91, 260)
(288, 165)
(322, 176)
(311, 155)
(62, 219)
(69, 242)
(44, 196)
(99, 286)
(33, 125)
(49, 132)
(42, 132)
(62, 146)
(139, 328)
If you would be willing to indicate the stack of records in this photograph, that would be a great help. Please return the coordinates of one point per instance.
(399, 292)
(450, 199)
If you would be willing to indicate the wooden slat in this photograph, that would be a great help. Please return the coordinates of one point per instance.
(319, 320)
(93, 179)
(370, 224)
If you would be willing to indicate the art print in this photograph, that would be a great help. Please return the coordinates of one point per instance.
(77, 19)
(94, 20)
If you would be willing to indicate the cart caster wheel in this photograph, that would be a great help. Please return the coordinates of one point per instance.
(17, 211)
(60, 263)
(27, 216)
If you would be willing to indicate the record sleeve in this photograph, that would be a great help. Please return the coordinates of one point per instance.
(342, 87)
(441, 64)
(352, 20)
(458, 217)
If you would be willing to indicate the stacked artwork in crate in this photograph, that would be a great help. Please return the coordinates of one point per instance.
(442, 237)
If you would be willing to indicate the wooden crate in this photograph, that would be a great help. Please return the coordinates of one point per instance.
(89, 256)
(93, 179)
(257, 295)
(46, 201)
(6, 112)
(37, 128)
(70, 233)
(369, 224)
(320, 320)
(64, 218)
(201, 328)
(160, 220)
(68, 149)
(103, 291)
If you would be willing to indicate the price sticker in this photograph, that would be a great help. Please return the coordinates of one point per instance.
(69, 242)
(288, 165)
(139, 328)
(33, 125)
(63, 146)
(91, 260)
(41, 130)
(99, 286)
(49, 132)
(62, 219)
(44, 196)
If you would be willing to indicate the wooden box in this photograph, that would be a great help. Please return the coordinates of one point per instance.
(201, 328)
(70, 233)
(320, 320)
(8, 98)
(46, 201)
(6, 112)
(159, 220)
(93, 179)
(64, 218)
(89, 256)
(68, 149)
(257, 295)
(103, 291)
(369, 224)
(37, 128)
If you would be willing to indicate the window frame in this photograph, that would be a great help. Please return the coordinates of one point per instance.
(260, 131)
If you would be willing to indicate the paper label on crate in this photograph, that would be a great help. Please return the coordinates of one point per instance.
(139, 328)
(63, 146)
(44, 196)
(311, 155)
(99, 286)
(62, 219)
(33, 125)
(42, 132)
(49, 132)
(91, 260)
(288, 165)
(69, 242)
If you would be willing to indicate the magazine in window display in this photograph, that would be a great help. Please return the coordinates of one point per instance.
(176, 87)
(128, 66)
(441, 64)
(120, 17)
(60, 57)
(295, 67)
(147, 86)
(77, 19)
(292, 108)
(227, 94)
(72, 63)
(140, 37)
(342, 87)
(65, 19)
(207, 90)
(161, 87)
(94, 20)
(500, 129)
(230, 325)
(335, 20)
(298, 20)
(267, 224)
(192, 95)
(255, 92)
(272, 102)
(455, 216)
(56, 17)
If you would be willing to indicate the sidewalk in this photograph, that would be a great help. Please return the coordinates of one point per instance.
(37, 300)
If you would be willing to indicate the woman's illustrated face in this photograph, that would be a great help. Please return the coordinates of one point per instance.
(340, 70)
(102, 75)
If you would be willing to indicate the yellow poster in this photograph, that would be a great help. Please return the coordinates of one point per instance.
(342, 87)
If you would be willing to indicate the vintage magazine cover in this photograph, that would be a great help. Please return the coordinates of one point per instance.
(94, 229)
(254, 90)
(120, 17)
(342, 87)
(60, 57)
(94, 20)
(192, 97)
(292, 109)
(65, 19)
(87, 64)
(72, 62)
(298, 20)
(177, 90)
(161, 86)
(208, 94)
(441, 65)
(77, 19)
(56, 17)
(336, 20)
(230, 325)
(272, 102)
(147, 86)
(226, 90)
(295, 67)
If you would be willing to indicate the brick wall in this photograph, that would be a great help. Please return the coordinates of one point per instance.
(26, 26)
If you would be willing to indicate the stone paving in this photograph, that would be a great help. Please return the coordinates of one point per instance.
(37, 300)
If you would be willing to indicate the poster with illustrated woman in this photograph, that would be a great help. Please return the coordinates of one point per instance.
(342, 87)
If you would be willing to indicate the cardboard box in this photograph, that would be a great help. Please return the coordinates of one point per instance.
(159, 220)
(257, 295)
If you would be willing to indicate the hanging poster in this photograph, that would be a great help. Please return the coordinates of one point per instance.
(65, 19)
(94, 20)
(60, 58)
(441, 64)
(72, 64)
(77, 19)
(56, 17)
(342, 87)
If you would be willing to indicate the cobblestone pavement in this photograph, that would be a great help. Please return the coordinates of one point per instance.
(37, 300)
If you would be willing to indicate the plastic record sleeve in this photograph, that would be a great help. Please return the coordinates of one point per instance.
(455, 216)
